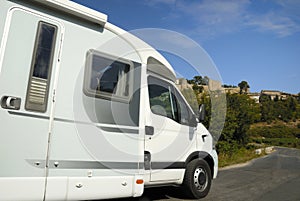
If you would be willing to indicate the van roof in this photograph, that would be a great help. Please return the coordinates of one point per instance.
(94, 16)
(146, 51)
(76, 9)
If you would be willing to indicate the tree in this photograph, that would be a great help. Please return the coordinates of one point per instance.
(229, 86)
(244, 86)
(266, 108)
(198, 89)
(199, 80)
(241, 113)
(291, 106)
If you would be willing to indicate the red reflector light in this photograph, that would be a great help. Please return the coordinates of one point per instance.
(139, 181)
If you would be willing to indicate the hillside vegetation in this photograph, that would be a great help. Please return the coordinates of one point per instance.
(250, 125)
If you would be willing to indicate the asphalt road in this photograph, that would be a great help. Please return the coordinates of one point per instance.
(275, 177)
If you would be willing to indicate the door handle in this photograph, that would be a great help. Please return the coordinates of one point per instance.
(10, 102)
(203, 137)
(149, 130)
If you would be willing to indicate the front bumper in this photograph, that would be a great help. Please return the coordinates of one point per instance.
(216, 162)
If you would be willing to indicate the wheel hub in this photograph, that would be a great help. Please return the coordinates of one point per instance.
(200, 179)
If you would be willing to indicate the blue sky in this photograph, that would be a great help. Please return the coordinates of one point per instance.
(257, 41)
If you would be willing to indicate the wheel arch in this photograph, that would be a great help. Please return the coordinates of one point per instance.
(202, 155)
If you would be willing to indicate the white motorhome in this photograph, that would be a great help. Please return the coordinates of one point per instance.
(89, 111)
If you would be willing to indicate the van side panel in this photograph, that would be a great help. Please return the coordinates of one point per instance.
(24, 135)
(79, 166)
(96, 147)
(76, 114)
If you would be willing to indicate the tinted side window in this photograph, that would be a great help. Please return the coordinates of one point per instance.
(184, 112)
(107, 78)
(42, 59)
(162, 99)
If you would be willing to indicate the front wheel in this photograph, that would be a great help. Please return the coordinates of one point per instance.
(197, 180)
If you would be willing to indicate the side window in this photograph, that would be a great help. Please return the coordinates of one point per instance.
(41, 66)
(107, 77)
(184, 112)
(167, 101)
(162, 99)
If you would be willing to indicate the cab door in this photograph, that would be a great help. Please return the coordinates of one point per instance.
(29, 58)
(172, 137)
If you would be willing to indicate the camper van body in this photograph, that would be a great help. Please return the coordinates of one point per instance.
(63, 136)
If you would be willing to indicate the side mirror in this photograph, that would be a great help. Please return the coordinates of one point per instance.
(201, 112)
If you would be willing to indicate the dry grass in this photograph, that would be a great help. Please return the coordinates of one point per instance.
(241, 156)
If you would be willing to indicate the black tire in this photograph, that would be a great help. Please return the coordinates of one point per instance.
(197, 179)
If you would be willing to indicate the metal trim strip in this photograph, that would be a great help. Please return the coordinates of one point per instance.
(105, 128)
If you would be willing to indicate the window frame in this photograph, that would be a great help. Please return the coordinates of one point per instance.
(176, 95)
(102, 94)
(172, 98)
(40, 85)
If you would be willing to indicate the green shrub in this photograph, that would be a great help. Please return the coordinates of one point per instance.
(231, 153)
(276, 131)
(286, 142)
(228, 148)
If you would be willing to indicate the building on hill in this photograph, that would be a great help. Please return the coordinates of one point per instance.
(255, 96)
(232, 90)
(277, 94)
(182, 84)
(214, 85)
(271, 93)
